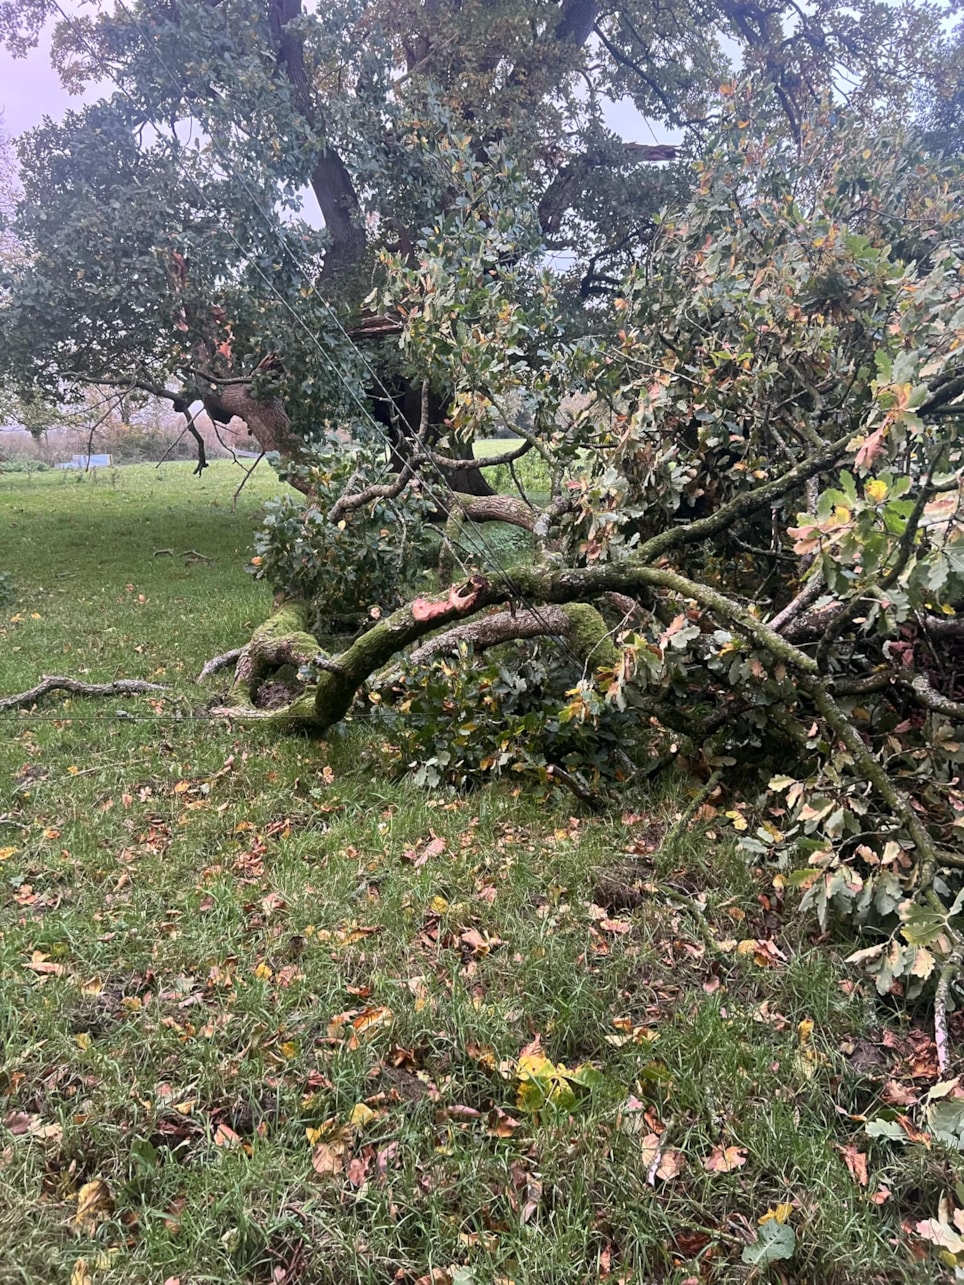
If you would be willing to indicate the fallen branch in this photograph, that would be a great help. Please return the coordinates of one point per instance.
(592, 801)
(219, 662)
(52, 683)
(187, 553)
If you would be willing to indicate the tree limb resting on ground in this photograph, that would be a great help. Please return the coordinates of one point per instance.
(52, 683)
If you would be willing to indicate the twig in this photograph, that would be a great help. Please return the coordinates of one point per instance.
(592, 801)
(52, 683)
(807, 596)
(187, 553)
(244, 481)
(219, 662)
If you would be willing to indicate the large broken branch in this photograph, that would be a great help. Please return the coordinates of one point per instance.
(52, 683)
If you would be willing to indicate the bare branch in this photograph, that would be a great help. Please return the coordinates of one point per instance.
(51, 683)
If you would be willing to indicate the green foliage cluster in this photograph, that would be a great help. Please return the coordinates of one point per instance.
(349, 567)
(515, 711)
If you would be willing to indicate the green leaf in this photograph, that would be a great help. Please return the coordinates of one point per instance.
(774, 1241)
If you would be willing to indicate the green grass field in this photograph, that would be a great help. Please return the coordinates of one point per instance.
(268, 1016)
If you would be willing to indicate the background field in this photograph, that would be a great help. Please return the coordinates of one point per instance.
(262, 1008)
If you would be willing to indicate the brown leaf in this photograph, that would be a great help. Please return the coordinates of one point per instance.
(671, 1165)
(327, 1159)
(358, 1167)
(500, 1124)
(649, 1150)
(870, 448)
(725, 1159)
(898, 1095)
(856, 1162)
(224, 1136)
(19, 1122)
(479, 943)
(385, 1158)
(94, 1203)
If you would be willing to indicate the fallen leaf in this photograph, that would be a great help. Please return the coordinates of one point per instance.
(725, 1159)
(361, 1115)
(358, 1168)
(856, 1162)
(224, 1136)
(670, 1166)
(94, 1203)
(327, 1159)
(80, 1273)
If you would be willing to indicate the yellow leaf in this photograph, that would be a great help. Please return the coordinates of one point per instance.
(264, 972)
(361, 1115)
(80, 1273)
(94, 1203)
(83, 1040)
(779, 1215)
(876, 490)
(805, 1030)
(6, 853)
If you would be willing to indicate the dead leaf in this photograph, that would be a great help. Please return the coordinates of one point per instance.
(358, 1168)
(224, 1136)
(898, 1095)
(671, 1165)
(725, 1159)
(479, 943)
(856, 1162)
(328, 1159)
(94, 1203)
(80, 1273)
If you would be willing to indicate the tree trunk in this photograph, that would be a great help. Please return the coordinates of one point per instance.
(401, 415)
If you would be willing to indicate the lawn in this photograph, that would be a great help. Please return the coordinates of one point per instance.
(270, 1016)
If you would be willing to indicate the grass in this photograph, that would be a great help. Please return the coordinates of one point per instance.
(275, 1003)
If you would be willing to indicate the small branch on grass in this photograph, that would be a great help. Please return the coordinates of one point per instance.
(219, 662)
(592, 801)
(52, 683)
(186, 553)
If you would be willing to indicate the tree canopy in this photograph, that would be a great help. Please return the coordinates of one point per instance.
(167, 222)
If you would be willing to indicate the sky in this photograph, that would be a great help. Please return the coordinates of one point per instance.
(30, 89)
